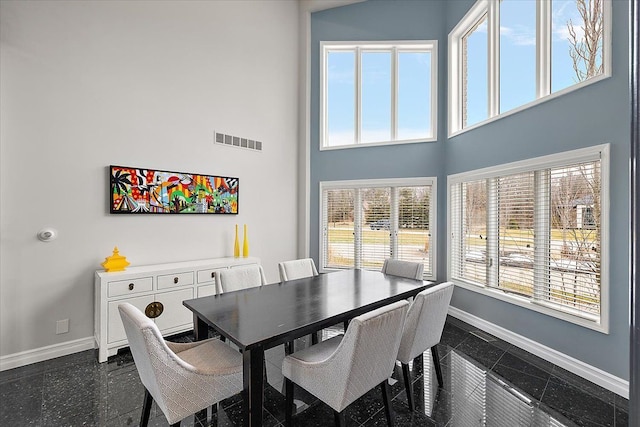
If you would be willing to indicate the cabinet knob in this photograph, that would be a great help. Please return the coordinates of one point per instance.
(154, 309)
(130, 286)
(213, 274)
(175, 280)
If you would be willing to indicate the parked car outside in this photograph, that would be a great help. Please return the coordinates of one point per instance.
(381, 224)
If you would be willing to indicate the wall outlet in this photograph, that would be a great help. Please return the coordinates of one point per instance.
(62, 326)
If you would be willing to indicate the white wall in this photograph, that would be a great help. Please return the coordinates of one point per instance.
(88, 84)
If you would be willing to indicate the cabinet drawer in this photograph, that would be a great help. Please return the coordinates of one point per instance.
(209, 275)
(127, 287)
(177, 279)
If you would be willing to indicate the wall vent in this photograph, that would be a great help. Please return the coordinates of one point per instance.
(236, 141)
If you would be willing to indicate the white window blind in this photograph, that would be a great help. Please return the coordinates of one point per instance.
(365, 222)
(535, 232)
(338, 228)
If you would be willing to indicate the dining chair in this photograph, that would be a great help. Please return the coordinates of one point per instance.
(182, 378)
(423, 330)
(297, 269)
(343, 368)
(408, 269)
(237, 278)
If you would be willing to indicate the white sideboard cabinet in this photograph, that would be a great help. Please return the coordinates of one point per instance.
(158, 291)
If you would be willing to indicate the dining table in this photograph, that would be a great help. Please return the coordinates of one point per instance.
(259, 318)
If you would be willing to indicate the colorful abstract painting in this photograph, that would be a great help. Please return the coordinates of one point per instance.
(148, 191)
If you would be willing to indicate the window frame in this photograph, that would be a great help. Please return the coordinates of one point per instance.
(395, 47)
(568, 158)
(543, 62)
(382, 183)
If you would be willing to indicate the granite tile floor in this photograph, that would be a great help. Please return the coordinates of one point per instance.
(487, 382)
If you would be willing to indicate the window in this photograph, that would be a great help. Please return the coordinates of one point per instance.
(506, 55)
(534, 233)
(377, 93)
(365, 222)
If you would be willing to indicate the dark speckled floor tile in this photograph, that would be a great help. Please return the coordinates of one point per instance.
(521, 374)
(76, 390)
(483, 352)
(21, 401)
(577, 404)
(585, 385)
(403, 417)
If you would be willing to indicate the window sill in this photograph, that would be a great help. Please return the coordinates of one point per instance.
(378, 144)
(534, 306)
(530, 104)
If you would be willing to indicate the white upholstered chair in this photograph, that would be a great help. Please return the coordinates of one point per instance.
(408, 269)
(236, 278)
(182, 378)
(343, 368)
(297, 269)
(423, 330)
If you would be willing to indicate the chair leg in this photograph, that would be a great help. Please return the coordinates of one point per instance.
(288, 348)
(386, 399)
(315, 338)
(436, 364)
(288, 411)
(339, 418)
(146, 408)
(407, 385)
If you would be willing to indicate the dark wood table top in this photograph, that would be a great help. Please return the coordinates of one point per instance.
(274, 314)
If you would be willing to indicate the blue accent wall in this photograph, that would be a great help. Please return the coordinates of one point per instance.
(596, 114)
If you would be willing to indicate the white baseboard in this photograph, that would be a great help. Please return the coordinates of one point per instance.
(584, 370)
(28, 357)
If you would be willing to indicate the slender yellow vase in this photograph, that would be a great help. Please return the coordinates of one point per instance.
(236, 245)
(245, 244)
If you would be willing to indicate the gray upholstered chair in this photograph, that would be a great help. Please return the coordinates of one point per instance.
(408, 269)
(236, 278)
(343, 368)
(182, 378)
(297, 269)
(423, 330)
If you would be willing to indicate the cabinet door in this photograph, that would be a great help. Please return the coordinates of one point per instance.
(114, 323)
(206, 290)
(175, 314)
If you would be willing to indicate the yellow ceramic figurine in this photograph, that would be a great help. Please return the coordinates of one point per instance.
(115, 262)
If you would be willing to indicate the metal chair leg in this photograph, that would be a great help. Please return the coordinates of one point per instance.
(146, 408)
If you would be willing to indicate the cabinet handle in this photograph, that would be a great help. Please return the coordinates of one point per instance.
(154, 309)
(130, 286)
(175, 280)
(213, 274)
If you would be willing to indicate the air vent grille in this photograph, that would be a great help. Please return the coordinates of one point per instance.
(236, 141)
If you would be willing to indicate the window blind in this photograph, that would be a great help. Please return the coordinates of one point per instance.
(573, 254)
(362, 225)
(338, 228)
(536, 233)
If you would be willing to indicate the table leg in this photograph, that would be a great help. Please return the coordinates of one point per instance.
(200, 328)
(253, 392)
